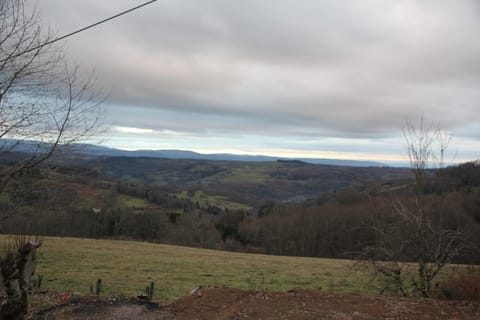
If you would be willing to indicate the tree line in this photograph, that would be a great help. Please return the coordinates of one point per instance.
(335, 225)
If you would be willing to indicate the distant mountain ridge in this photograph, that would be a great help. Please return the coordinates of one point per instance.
(95, 150)
(183, 154)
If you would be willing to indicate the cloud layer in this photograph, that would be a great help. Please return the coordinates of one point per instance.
(345, 69)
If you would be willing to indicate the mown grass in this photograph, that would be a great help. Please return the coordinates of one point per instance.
(72, 265)
(126, 268)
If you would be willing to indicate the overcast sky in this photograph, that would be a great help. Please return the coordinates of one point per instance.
(334, 79)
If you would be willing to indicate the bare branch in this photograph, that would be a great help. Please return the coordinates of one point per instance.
(41, 97)
(412, 230)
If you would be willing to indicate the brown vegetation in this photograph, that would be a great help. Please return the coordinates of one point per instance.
(460, 287)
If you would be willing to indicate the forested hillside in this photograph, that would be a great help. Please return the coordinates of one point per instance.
(250, 183)
(287, 208)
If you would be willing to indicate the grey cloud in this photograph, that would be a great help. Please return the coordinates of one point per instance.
(343, 68)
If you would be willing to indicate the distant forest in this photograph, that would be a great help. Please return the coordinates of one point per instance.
(282, 208)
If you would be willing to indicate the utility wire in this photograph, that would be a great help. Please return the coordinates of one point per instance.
(80, 30)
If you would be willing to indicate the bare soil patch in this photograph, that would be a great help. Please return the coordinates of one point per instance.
(77, 308)
(235, 304)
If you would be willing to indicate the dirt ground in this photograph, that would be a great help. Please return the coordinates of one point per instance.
(235, 304)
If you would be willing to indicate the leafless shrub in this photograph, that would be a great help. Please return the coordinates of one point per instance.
(412, 230)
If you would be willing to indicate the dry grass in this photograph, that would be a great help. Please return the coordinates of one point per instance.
(464, 286)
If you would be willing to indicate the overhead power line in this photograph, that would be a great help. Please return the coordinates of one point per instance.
(100, 22)
(81, 29)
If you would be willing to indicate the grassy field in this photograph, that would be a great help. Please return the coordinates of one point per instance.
(132, 202)
(204, 200)
(72, 265)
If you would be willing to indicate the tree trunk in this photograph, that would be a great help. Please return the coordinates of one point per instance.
(17, 269)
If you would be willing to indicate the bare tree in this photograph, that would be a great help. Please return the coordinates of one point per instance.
(41, 98)
(411, 230)
(44, 104)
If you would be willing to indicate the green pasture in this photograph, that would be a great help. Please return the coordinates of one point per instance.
(204, 200)
(249, 173)
(132, 202)
(127, 267)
